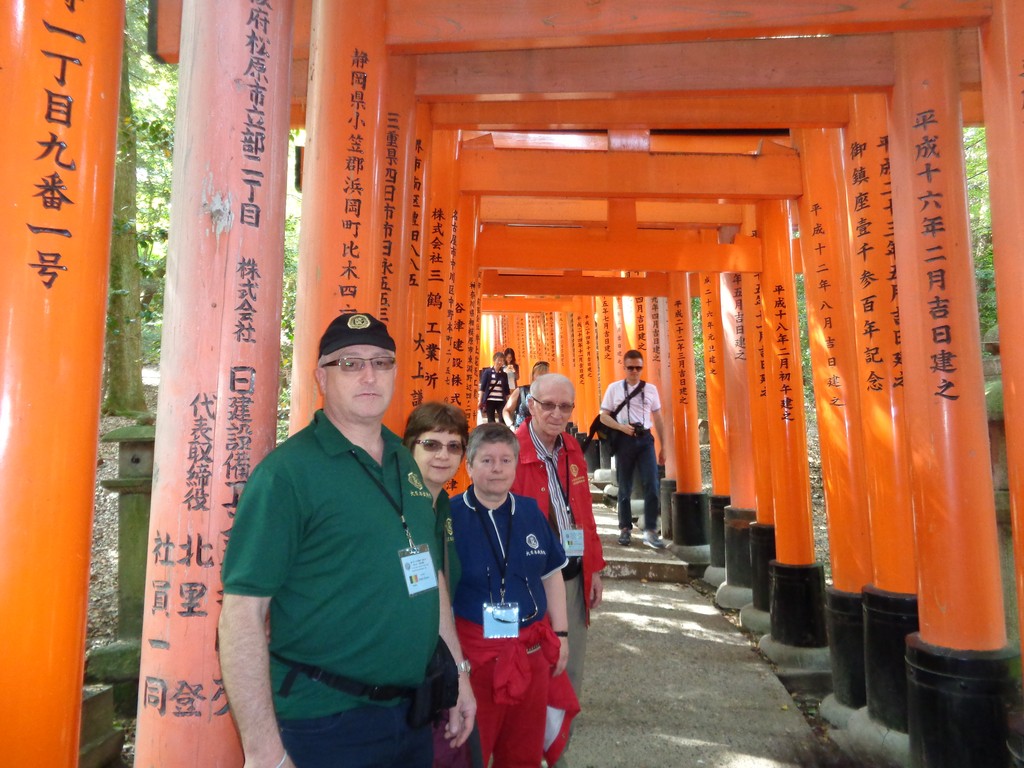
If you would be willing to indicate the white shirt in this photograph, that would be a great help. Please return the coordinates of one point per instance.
(638, 409)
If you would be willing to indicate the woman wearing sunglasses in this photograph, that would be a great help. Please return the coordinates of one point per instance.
(510, 609)
(436, 435)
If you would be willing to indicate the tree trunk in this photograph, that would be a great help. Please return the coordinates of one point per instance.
(124, 394)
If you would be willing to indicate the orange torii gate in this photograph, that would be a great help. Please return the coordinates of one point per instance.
(480, 75)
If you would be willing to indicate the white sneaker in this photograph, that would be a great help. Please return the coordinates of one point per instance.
(652, 539)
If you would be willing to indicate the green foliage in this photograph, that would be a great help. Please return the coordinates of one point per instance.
(154, 89)
(976, 162)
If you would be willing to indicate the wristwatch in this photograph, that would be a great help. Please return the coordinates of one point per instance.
(463, 666)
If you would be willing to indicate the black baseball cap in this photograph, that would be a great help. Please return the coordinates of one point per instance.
(355, 328)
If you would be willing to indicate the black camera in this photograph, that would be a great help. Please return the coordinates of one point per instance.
(638, 429)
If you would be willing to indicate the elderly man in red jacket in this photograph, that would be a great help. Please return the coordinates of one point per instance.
(552, 470)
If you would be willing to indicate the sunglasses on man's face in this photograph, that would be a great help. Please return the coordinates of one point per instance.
(634, 367)
(454, 447)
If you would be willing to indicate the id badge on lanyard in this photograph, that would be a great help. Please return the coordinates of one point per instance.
(501, 620)
(418, 569)
(572, 542)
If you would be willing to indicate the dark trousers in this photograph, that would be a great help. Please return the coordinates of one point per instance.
(366, 737)
(632, 453)
(492, 410)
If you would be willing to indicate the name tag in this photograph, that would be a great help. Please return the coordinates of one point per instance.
(572, 542)
(501, 620)
(418, 569)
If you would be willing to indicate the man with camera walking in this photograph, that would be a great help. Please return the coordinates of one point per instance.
(633, 407)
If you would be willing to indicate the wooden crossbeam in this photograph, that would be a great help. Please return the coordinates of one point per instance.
(445, 25)
(535, 248)
(574, 211)
(845, 63)
(494, 283)
(628, 174)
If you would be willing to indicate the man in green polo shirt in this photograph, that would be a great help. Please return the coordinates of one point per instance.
(334, 538)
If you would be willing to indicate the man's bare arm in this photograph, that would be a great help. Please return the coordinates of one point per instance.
(245, 664)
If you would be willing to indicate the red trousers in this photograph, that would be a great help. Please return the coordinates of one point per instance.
(511, 690)
(514, 733)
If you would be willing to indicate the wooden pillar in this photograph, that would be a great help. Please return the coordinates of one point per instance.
(798, 585)
(889, 604)
(683, 388)
(660, 362)
(464, 383)
(1002, 60)
(440, 238)
(757, 617)
(825, 250)
(407, 325)
(787, 432)
(339, 265)
(880, 368)
(942, 354)
(825, 245)
(60, 80)
(736, 360)
(217, 410)
(714, 377)
(735, 589)
(607, 366)
(960, 600)
(399, 188)
(757, 390)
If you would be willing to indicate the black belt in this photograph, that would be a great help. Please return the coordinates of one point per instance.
(339, 682)
(573, 568)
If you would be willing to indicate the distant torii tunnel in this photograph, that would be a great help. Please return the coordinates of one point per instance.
(565, 179)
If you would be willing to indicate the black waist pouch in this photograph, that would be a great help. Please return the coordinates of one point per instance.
(439, 690)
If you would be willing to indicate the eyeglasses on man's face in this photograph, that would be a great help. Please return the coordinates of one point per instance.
(454, 447)
(634, 368)
(548, 407)
(356, 364)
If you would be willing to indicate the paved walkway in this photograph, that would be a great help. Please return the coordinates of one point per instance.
(671, 682)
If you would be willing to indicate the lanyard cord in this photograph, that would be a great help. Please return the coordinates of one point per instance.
(502, 564)
(396, 505)
(563, 491)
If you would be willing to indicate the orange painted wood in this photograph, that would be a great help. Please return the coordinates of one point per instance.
(630, 174)
(461, 372)
(873, 287)
(824, 223)
(593, 249)
(954, 510)
(608, 368)
(589, 390)
(685, 419)
(553, 285)
(55, 214)
(520, 210)
(1002, 54)
(743, 111)
(714, 374)
(217, 411)
(787, 432)
(439, 238)
(848, 63)
(340, 229)
(408, 325)
(737, 404)
(757, 380)
(427, 25)
(659, 358)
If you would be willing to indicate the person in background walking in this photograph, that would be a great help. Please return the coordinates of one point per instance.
(635, 445)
